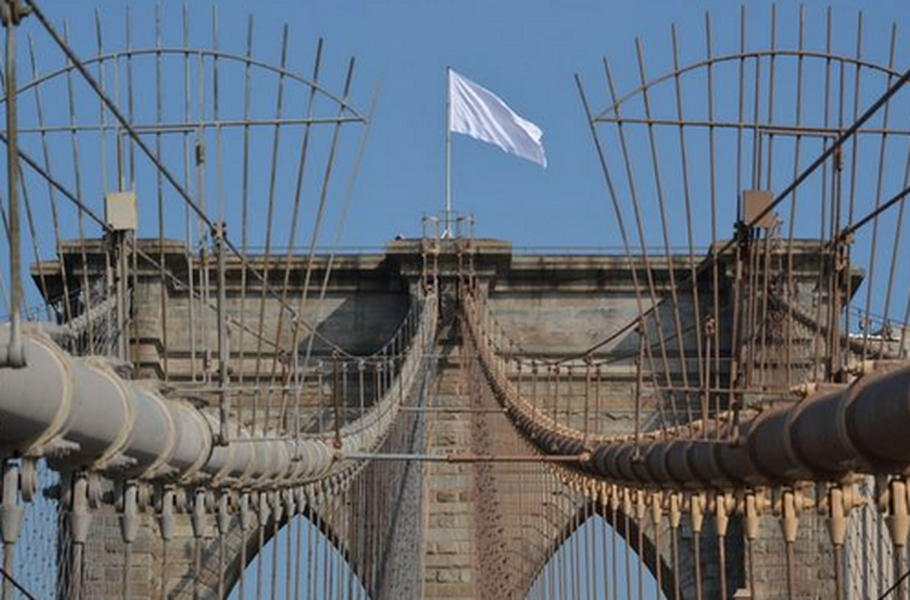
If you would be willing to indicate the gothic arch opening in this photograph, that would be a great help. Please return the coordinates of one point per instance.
(304, 557)
(602, 553)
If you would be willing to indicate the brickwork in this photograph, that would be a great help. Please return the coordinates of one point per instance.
(448, 531)
(813, 560)
(106, 554)
(149, 572)
(450, 540)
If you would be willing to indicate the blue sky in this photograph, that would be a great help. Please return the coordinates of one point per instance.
(525, 51)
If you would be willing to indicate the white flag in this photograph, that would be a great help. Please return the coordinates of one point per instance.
(481, 114)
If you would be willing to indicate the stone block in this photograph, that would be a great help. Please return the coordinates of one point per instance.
(452, 547)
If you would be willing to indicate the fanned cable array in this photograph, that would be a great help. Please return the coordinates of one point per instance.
(202, 393)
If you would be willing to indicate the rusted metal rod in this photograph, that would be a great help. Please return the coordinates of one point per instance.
(469, 458)
(13, 354)
(452, 409)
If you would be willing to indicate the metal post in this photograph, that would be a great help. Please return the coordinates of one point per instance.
(639, 384)
(11, 516)
(121, 275)
(336, 403)
(218, 233)
(11, 13)
(447, 232)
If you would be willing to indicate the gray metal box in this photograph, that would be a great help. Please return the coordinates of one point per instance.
(120, 211)
(754, 202)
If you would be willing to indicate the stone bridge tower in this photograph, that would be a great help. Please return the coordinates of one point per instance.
(464, 488)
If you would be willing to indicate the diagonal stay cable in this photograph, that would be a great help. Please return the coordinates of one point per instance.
(897, 584)
(156, 161)
(92, 215)
(16, 584)
(84, 209)
(842, 139)
(871, 216)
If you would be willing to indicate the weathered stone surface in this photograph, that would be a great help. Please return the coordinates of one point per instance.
(447, 530)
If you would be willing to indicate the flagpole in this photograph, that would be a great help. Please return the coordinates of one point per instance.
(447, 231)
